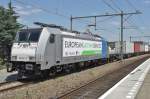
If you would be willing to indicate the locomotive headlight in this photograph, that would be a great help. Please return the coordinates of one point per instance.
(29, 66)
(14, 58)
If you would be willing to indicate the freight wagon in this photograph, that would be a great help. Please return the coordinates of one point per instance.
(52, 49)
(140, 46)
(129, 48)
(115, 49)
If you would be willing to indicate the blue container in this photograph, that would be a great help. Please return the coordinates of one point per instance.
(104, 49)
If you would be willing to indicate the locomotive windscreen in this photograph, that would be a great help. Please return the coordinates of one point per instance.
(28, 35)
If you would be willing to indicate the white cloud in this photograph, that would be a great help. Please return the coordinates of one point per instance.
(22, 21)
(36, 10)
(22, 12)
(27, 10)
(147, 1)
(19, 19)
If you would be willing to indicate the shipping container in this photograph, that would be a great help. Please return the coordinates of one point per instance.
(129, 47)
(111, 46)
(115, 47)
(118, 47)
(142, 47)
(136, 47)
(146, 48)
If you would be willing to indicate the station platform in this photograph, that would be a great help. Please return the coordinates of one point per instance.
(136, 85)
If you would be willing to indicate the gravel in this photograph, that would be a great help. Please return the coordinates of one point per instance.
(57, 86)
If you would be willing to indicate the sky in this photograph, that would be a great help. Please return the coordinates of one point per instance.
(59, 12)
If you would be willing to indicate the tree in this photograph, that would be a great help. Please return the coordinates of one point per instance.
(8, 28)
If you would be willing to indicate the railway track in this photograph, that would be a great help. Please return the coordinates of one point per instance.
(91, 90)
(7, 86)
(97, 87)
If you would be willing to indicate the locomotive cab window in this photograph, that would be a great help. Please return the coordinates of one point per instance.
(52, 38)
(28, 35)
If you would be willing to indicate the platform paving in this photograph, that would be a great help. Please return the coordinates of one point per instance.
(135, 85)
(5, 76)
(144, 92)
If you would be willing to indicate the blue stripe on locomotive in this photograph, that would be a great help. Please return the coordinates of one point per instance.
(104, 49)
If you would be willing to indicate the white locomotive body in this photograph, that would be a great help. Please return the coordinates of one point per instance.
(44, 50)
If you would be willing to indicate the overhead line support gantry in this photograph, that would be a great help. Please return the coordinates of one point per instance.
(121, 14)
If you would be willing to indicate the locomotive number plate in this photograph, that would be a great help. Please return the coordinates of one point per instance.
(23, 58)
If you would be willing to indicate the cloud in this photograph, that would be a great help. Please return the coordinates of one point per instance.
(147, 1)
(27, 10)
(17, 7)
(23, 12)
(21, 20)
(36, 10)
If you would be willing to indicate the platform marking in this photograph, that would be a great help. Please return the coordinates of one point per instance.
(140, 79)
(128, 96)
(130, 93)
(132, 90)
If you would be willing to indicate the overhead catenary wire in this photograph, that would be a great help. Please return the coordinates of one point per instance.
(49, 11)
(106, 19)
(59, 14)
(125, 20)
(130, 4)
(100, 20)
(137, 28)
(55, 13)
(109, 5)
(120, 10)
(122, 14)
(142, 21)
(43, 9)
(116, 5)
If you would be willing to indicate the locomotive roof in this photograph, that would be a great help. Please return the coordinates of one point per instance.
(64, 29)
(40, 29)
(57, 27)
(31, 30)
